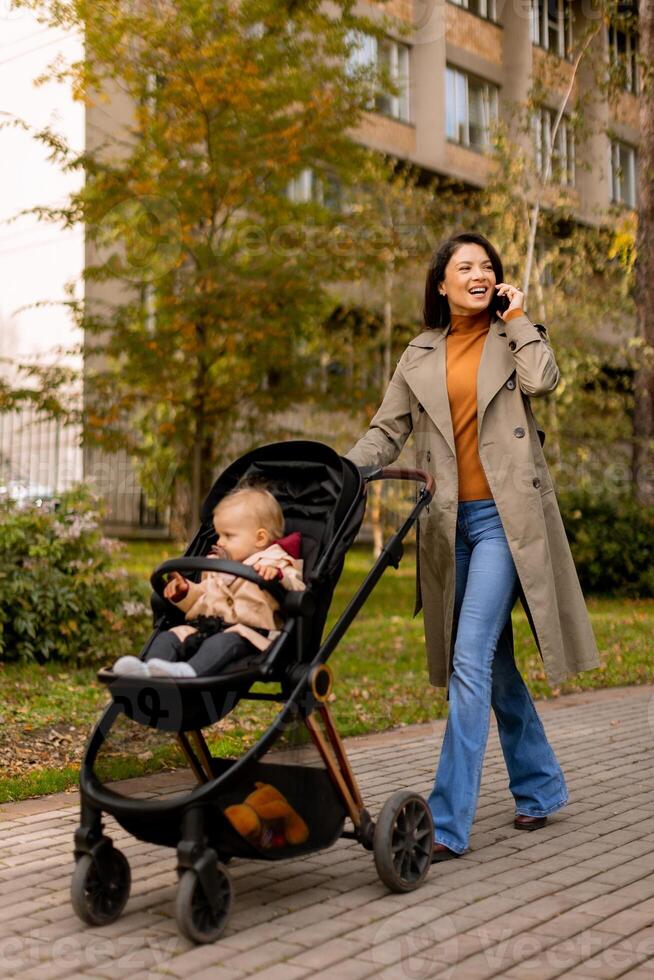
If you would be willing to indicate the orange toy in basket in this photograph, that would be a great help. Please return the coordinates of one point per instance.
(267, 819)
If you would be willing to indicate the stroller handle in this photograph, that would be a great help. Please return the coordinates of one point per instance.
(370, 473)
(158, 577)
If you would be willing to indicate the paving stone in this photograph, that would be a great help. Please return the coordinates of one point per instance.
(213, 973)
(350, 970)
(328, 953)
(575, 899)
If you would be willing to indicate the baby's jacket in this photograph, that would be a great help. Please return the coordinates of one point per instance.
(241, 602)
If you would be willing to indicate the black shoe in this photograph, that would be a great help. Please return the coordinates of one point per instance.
(440, 852)
(522, 822)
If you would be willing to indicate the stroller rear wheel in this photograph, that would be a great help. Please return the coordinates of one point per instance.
(199, 919)
(99, 894)
(403, 841)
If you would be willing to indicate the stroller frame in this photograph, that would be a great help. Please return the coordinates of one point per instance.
(401, 838)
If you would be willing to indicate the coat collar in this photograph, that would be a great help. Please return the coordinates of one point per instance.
(425, 373)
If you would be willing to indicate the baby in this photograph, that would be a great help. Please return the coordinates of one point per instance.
(227, 617)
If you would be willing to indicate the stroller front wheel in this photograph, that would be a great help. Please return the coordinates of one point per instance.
(198, 918)
(403, 841)
(99, 895)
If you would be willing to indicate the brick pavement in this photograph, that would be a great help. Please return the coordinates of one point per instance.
(575, 899)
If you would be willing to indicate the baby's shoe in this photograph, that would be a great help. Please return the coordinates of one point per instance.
(131, 667)
(170, 668)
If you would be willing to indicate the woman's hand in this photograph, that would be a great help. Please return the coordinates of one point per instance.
(515, 297)
(176, 588)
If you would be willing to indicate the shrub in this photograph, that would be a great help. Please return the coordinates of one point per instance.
(612, 542)
(61, 596)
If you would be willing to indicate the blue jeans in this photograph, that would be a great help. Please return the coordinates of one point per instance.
(484, 674)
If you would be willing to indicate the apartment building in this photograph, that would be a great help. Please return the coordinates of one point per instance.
(467, 63)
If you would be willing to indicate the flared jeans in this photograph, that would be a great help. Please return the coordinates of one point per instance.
(484, 675)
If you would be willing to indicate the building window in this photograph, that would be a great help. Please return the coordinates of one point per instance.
(483, 8)
(471, 109)
(551, 26)
(392, 58)
(307, 188)
(623, 58)
(623, 173)
(563, 153)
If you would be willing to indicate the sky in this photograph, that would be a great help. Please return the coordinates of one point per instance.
(36, 259)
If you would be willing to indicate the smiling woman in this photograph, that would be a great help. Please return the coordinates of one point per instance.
(493, 531)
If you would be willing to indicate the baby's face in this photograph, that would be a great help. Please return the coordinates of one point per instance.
(239, 532)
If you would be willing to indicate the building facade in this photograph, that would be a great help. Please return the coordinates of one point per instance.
(466, 63)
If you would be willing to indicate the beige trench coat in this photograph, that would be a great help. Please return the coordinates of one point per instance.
(517, 364)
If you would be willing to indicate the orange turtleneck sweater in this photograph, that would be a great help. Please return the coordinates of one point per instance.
(465, 342)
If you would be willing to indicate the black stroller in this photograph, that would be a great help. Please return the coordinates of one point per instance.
(323, 496)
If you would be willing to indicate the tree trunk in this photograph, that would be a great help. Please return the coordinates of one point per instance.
(642, 463)
(180, 511)
(200, 437)
(375, 511)
(376, 488)
(553, 429)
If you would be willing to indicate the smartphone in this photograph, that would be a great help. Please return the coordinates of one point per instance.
(501, 303)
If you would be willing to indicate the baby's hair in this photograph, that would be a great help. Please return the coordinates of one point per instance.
(261, 504)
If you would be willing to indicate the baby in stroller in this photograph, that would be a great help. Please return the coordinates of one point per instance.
(227, 617)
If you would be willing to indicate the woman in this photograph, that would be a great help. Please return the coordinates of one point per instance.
(492, 532)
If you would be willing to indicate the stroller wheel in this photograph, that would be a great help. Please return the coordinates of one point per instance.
(196, 918)
(98, 899)
(403, 841)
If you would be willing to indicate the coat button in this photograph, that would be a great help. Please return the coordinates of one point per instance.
(428, 457)
(420, 408)
(512, 345)
(510, 384)
(519, 432)
(536, 482)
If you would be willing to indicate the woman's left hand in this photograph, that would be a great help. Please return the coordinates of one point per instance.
(515, 297)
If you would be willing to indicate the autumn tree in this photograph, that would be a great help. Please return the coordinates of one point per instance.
(205, 277)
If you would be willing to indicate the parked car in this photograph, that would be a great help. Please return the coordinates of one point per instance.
(25, 494)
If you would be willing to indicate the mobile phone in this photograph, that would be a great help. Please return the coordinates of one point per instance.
(501, 303)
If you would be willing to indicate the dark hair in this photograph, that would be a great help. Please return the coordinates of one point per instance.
(436, 312)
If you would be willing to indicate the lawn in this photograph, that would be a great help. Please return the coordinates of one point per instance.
(379, 670)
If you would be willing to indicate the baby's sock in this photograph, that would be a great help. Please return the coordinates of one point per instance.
(170, 668)
(131, 667)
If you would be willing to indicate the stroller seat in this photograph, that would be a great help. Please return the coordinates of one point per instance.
(309, 490)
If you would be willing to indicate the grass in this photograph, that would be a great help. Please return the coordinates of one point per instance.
(379, 672)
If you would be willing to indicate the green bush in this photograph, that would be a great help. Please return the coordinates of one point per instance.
(61, 595)
(612, 542)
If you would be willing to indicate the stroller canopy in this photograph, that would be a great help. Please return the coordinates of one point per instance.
(322, 496)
